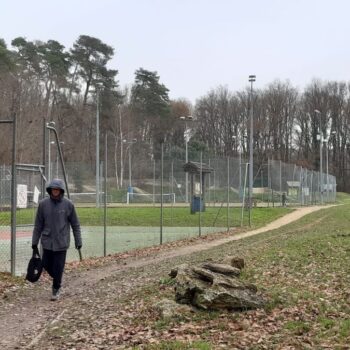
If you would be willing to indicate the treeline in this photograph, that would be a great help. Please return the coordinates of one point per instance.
(43, 81)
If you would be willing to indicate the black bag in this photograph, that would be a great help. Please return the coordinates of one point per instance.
(35, 267)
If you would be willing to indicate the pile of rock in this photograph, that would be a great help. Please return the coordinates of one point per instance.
(215, 286)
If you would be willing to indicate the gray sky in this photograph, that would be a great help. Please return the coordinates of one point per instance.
(197, 45)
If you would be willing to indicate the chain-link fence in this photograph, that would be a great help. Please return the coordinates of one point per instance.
(29, 183)
(29, 191)
(5, 207)
(300, 185)
(157, 201)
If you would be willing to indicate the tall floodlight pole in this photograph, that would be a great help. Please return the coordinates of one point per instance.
(186, 173)
(97, 152)
(57, 152)
(129, 143)
(235, 138)
(161, 189)
(49, 172)
(44, 158)
(49, 161)
(331, 134)
(327, 171)
(240, 168)
(321, 145)
(129, 166)
(187, 139)
(251, 80)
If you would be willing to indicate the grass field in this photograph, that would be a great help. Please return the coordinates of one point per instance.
(150, 216)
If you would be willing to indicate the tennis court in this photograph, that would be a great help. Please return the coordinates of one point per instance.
(118, 239)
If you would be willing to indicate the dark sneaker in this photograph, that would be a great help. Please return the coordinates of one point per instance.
(55, 294)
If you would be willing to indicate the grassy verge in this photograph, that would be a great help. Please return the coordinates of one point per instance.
(7, 281)
(150, 216)
(303, 270)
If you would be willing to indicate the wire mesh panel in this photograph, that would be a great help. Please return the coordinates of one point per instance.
(332, 189)
(29, 192)
(276, 180)
(147, 205)
(301, 186)
(5, 217)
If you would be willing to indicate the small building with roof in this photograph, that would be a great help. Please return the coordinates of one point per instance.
(197, 184)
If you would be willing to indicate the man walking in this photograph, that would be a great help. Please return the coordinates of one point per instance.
(54, 217)
(284, 199)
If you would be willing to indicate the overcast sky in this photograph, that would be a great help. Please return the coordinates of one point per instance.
(197, 45)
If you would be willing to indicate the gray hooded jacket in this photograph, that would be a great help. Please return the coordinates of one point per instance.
(53, 220)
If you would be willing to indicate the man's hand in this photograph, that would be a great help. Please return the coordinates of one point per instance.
(78, 247)
(35, 249)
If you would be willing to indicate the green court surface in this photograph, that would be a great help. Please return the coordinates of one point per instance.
(118, 239)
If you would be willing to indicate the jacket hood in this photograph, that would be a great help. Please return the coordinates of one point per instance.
(55, 183)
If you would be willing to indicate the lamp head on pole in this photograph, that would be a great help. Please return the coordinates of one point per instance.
(130, 141)
(252, 78)
(187, 117)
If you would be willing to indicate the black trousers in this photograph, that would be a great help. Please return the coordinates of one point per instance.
(53, 263)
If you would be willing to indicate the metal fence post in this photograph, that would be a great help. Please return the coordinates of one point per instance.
(161, 191)
(209, 182)
(301, 185)
(13, 198)
(97, 151)
(154, 180)
(269, 181)
(214, 187)
(293, 174)
(281, 181)
(244, 190)
(200, 196)
(172, 177)
(105, 202)
(228, 193)
(312, 187)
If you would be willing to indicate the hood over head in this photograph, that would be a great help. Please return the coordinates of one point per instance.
(55, 183)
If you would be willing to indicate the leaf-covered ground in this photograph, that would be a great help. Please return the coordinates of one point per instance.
(302, 269)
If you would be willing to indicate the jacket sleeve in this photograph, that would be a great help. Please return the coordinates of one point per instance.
(38, 225)
(74, 222)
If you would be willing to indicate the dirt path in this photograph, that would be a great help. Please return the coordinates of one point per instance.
(26, 314)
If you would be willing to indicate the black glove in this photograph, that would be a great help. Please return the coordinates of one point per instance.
(78, 246)
(35, 247)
